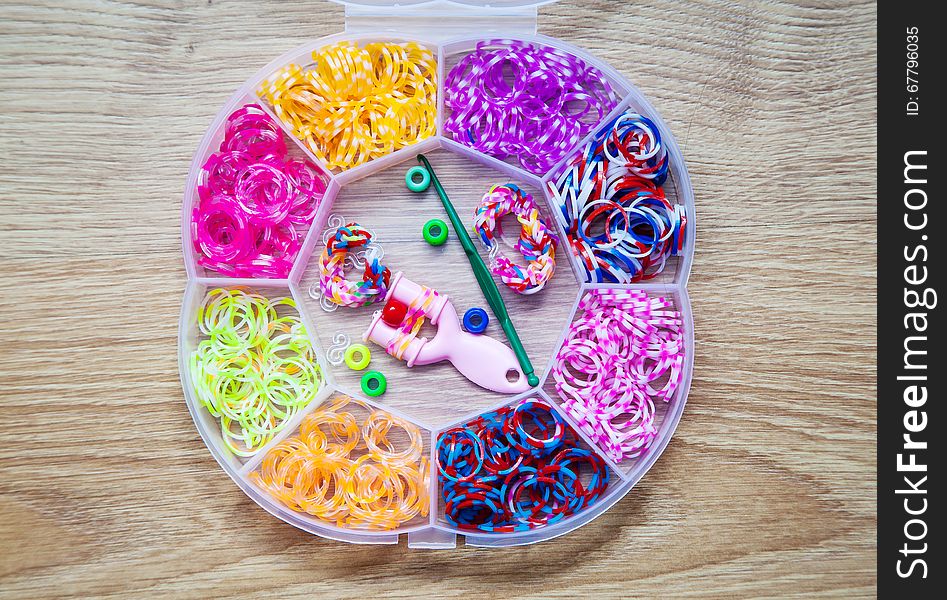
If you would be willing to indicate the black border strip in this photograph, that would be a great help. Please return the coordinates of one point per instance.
(911, 229)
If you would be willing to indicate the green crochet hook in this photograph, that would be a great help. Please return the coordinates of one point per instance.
(484, 278)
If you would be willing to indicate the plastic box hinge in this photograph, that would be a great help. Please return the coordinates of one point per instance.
(440, 20)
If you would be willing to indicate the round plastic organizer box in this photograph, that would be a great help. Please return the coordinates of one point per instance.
(437, 271)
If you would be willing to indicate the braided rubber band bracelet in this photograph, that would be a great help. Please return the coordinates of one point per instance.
(537, 243)
(332, 282)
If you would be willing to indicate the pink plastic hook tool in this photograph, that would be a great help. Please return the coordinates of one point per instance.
(482, 359)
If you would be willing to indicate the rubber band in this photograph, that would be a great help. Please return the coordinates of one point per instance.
(254, 202)
(356, 103)
(617, 220)
(412, 323)
(516, 469)
(255, 368)
(525, 101)
(350, 470)
(536, 243)
(333, 285)
(624, 351)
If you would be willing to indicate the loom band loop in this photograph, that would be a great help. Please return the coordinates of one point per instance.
(624, 428)
(623, 184)
(321, 489)
(250, 437)
(218, 175)
(309, 187)
(660, 225)
(275, 243)
(461, 460)
(250, 319)
(545, 436)
(540, 102)
(640, 218)
(370, 483)
(264, 193)
(536, 508)
(644, 198)
(618, 267)
(640, 126)
(475, 510)
(634, 150)
(576, 387)
(220, 230)
(649, 369)
(247, 116)
(611, 236)
(554, 133)
(653, 267)
(245, 449)
(257, 138)
(493, 83)
(571, 458)
(253, 431)
(251, 406)
(282, 345)
(582, 351)
(500, 457)
(339, 438)
(447, 451)
(282, 390)
(375, 436)
(628, 195)
(257, 142)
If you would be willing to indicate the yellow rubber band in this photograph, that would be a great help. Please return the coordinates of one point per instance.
(357, 103)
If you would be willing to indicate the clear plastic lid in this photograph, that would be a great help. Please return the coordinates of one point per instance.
(441, 19)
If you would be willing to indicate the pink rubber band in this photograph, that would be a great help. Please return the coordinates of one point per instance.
(624, 351)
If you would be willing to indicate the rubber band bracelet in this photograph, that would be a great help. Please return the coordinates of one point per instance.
(537, 243)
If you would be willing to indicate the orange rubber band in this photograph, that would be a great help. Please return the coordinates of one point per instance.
(348, 471)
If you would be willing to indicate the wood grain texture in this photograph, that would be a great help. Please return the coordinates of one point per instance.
(768, 488)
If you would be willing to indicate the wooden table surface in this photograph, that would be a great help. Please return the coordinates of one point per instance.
(768, 487)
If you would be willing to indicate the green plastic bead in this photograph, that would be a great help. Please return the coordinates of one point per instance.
(435, 232)
(412, 183)
(357, 356)
(374, 383)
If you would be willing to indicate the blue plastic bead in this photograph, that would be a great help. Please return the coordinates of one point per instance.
(476, 320)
